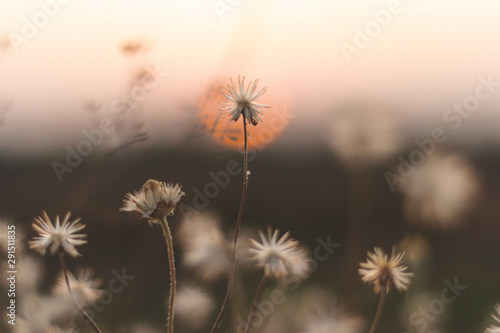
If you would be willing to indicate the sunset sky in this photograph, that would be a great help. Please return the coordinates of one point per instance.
(428, 56)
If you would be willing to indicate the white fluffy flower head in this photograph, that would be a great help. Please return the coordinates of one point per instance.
(242, 101)
(193, 306)
(206, 249)
(384, 272)
(495, 328)
(441, 191)
(155, 200)
(84, 286)
(280, 257)
(61, 235)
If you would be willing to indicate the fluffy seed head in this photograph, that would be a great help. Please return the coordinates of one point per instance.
(193, 306)
(495, 328)
(280, 257)
(206, 249)
(61, 235)
(365, 135)
(84, 287)
(441, 192)
(242, 101)
(383, 272)
(155, 200)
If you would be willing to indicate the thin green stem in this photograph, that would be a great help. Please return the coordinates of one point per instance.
(256, 300)
(236, 231)
(82, 311)
(379, 311)
(173, 282)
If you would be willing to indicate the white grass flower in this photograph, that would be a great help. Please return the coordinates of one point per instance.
(313, 310)
(365, 135)
(384, 272)
(495, 328)
(441, 191)
(84, 287)
(317, 311)
(279, 257)
(37, 311)
(193, 306)
(155, 200)
(206, 249)
(61, 235)
(242, 101)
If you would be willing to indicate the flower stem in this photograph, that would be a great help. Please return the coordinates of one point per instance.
(82, 311)
(379, 311)
(256, 299)
(171, 300)
(236, 231)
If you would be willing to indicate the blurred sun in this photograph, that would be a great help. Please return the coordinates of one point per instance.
(229, 133)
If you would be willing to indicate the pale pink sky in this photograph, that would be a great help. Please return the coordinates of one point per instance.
(428, 57)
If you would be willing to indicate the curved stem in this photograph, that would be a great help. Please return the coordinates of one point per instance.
(82, 311)
(379, 311)
(236, 231)
(171, 300)
(256, 299)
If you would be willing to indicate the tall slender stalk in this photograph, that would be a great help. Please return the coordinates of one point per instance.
(236, 231)
(82, 311)
(173, 281)
(256, 299)
(379, 311)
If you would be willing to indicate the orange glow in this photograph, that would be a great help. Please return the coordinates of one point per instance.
(230, 134)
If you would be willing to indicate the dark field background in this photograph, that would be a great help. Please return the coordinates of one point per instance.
(310, 193)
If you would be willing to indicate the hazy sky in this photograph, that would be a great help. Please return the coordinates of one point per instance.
(422, 58)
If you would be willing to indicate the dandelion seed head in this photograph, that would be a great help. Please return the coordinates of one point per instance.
(193, 306)
(205, 247)
(280, 257)
(440, 192)
(383, 272)
(495, 328)
(39, 311)
(84, 287)
(241, 101)
(155, 200)
(61, 235)
(364, 135)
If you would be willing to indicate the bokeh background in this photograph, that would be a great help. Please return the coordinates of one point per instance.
(368, 148)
